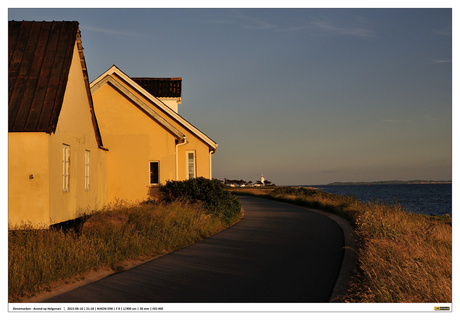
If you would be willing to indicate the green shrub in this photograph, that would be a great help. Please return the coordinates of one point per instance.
(211, 193)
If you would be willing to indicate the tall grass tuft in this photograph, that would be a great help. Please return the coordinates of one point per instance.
(403, 257)
(39, 257)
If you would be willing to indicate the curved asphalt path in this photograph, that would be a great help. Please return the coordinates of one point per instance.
(276, 253)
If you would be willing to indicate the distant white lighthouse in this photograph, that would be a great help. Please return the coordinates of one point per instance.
(262, 179)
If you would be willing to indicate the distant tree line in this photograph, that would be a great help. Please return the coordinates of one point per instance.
(242, 182)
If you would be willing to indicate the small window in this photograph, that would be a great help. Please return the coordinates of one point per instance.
(65, 168)
(191, 164)
(154, 172)
(87, 161)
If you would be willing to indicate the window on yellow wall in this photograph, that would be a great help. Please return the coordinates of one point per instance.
(87, 161)
(191, 165)
(154, 172)
(65, 168)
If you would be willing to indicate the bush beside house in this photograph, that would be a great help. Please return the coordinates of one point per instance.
(211, 193)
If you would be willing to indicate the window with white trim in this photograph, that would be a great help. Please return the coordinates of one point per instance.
(154, 172)
(191, 166)
(65, 168)
(87, 161)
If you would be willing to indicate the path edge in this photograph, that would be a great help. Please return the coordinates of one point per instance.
(349, 261)
(347, 269)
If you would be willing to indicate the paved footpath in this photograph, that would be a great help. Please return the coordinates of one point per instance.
(276, 253)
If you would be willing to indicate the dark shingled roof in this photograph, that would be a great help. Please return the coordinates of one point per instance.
(39, 59)
(161, 87)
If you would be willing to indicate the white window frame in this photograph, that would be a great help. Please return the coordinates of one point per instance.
(65, 168)
(87, 169)
(150, 173)
(188, 172)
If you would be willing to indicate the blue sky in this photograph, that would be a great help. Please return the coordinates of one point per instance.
(302, 96)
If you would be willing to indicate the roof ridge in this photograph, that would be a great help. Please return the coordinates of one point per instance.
(172, 114)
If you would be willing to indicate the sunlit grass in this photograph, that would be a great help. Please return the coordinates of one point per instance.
(39, 257)
(402, 256)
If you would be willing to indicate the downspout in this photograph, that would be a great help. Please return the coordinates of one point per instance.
(177, 156)
(210, 164)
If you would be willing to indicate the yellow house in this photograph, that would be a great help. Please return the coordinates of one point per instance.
(149, 142)
(57, 165)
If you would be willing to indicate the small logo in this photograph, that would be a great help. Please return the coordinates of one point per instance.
(441, 308)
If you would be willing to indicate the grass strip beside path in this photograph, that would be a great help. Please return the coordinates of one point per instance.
(402, 256)
(37, 258)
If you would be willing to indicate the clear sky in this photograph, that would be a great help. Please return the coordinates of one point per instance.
(302, 96)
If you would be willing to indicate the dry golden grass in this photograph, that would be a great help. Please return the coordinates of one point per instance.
(37, 258)
(403, 257)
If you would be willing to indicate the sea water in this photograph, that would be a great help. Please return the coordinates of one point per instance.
(429, 199)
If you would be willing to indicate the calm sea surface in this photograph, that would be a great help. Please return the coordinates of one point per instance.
(430, 199)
